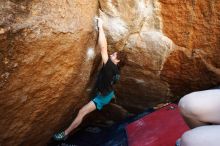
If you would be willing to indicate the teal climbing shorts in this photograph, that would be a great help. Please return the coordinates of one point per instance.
(100, 100)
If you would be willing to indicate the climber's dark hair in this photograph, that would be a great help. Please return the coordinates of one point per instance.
(122, 56)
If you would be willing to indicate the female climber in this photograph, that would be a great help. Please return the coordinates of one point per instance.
(107, 77)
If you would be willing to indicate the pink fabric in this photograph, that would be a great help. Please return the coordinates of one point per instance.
(160, 128)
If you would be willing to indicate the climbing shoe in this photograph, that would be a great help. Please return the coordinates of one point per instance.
(60, 136)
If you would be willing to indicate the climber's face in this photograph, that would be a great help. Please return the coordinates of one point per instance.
(114, 58)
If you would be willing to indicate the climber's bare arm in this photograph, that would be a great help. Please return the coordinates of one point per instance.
(102, 42)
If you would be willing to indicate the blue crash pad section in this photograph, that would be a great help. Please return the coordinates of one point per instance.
(101, 136)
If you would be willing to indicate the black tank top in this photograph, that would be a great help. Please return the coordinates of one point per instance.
(108, 75)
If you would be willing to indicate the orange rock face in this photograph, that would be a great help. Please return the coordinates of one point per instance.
(48, 58)
(172, 47)
(194, 27)
(47, 48)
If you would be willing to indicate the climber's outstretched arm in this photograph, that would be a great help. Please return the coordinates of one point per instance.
(102, 41)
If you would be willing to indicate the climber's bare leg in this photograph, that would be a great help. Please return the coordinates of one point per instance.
(88, 108)
(202, 136)
(201, 108)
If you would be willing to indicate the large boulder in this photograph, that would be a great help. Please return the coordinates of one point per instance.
(48, 58)
(172, 47)
(47, 50)
(195, 29)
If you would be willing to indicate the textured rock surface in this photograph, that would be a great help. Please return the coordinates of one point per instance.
(140, 27)
(47, 57)
(195, 29)
(44, 66)
(172, 47)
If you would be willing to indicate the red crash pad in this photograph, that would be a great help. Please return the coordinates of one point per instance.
(160, 128)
